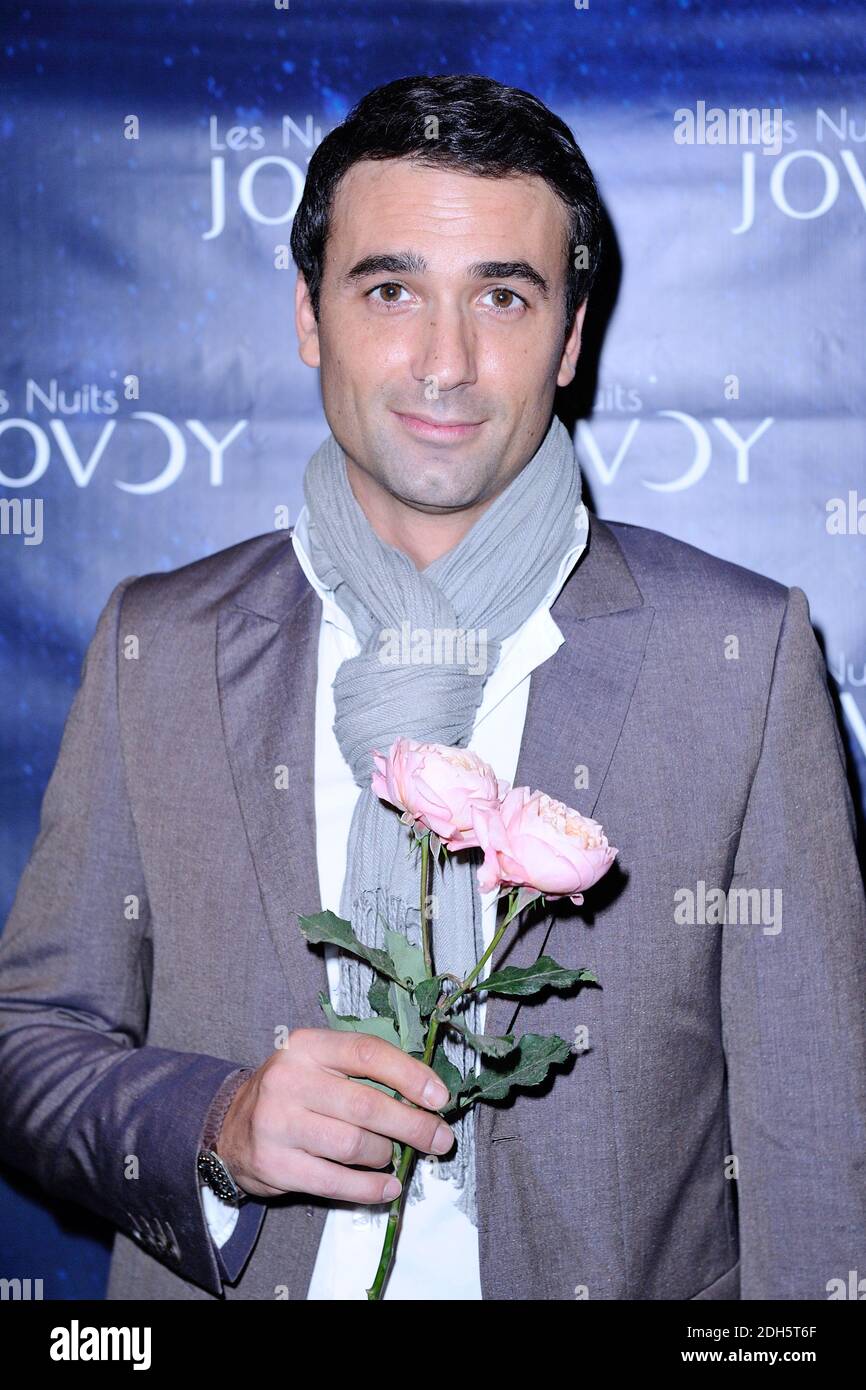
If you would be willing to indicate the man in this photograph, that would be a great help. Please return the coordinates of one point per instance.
(159, 1006)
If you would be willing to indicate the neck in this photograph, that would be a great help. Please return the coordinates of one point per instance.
(423, 536)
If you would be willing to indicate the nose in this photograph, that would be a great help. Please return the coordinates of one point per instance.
(446, 349)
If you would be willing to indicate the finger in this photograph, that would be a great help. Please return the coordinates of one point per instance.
(318, 1176)
(377, 1113)
(326, 1137)
(362, 1054)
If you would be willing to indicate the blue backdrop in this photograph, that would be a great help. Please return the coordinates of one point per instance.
(152, 404)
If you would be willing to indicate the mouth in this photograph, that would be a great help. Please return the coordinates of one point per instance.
(437, 432)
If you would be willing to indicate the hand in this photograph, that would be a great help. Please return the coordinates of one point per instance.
(299, 1121)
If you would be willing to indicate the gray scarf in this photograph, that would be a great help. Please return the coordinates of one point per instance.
(485, 587)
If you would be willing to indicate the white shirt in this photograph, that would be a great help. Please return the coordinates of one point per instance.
(437, 1250)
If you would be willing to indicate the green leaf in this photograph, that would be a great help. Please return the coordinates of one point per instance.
(379, 1001)
(408, 1019)
(530, 1062)
(427, 993)
(327, 926)
(408, 959)
(348, 1023)
(447, 1072)
(487, 1043)
(529, 979)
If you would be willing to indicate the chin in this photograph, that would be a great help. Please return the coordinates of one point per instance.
(433, 499)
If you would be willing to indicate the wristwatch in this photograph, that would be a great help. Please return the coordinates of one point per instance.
(214, 1173)
(213, 1170)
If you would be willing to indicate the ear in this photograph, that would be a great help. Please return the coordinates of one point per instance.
(571, 350)
(306, 326)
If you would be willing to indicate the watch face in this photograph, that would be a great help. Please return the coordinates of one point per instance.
(214, 1173)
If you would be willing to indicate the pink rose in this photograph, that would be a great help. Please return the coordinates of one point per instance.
(437, 788)
(533, 841)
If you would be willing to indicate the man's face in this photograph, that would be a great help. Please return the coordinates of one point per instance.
(442, 300)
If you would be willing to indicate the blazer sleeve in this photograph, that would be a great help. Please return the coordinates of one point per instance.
(793, 996)
(87, 1107)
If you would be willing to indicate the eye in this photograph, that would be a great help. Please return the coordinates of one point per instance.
(391, 301)
(389, 285)
(506, 311)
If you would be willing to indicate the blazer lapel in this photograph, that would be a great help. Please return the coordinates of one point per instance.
(578, 700)
(267, 652)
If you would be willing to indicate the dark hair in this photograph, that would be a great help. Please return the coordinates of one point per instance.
(484, 128)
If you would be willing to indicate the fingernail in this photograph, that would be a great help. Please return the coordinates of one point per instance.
(393, 1188)
(436, 1094)
(442, 1139)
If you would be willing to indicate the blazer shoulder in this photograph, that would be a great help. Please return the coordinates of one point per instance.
(672, 573)
(198, 589)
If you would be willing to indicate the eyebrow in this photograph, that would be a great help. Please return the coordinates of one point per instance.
(410, 263)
